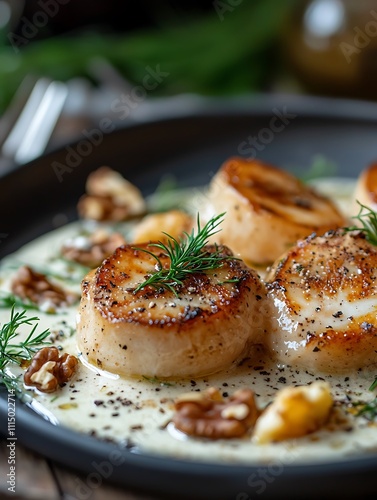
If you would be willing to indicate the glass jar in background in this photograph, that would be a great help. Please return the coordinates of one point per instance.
(331, 46)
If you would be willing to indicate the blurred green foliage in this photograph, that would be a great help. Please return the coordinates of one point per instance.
(232, 50)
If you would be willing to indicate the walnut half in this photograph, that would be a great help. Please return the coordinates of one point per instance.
(48, 370)
(209, 415)
(92, 250)
(34, 286)
(109, 196)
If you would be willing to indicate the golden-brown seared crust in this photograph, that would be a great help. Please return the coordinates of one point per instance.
(324, 292)
(203, 294)
(267, 209)
(153, 332)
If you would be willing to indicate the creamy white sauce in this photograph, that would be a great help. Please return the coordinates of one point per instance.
(137, 412)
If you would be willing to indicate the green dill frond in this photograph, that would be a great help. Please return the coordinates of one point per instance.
(186, 256)
(368, 220)
(16, 352)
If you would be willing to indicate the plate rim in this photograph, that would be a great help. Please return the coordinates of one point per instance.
(309, 106)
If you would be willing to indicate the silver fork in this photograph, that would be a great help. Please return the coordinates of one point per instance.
(28, 124)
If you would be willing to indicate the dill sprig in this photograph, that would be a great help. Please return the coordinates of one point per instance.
(374, 385)
(368, 220)
(186, 256)
(9, 300)
(368, 410)
(155, 380)
(16, 352)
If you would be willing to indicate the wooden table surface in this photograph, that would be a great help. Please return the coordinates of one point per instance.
(40, 479)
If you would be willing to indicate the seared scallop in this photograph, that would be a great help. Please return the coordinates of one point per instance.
(202, 328)
(366, 189)
(267, 209)
(324, 294)
(153, 226)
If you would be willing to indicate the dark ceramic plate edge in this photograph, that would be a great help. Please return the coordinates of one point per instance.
(209, 480)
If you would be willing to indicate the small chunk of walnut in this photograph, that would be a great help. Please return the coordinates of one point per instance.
(295, 412)
(48, 370)
(209, 415)
(109, 196)
(31, 285)
(90, 251)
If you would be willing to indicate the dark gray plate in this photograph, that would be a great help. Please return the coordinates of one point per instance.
(192, 146)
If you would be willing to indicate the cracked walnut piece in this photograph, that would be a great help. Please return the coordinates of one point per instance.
(92, 250)
(48, 370)
(209, 415)
(28, 284)
(295, 412)
(109, 196)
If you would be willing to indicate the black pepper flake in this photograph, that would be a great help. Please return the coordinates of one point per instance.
(282, 380)
(124, 347)
(136, 427)
(115, 414)
(316, 349)
(98, 402)
(125, 402)
(338, 314)
(193, 383)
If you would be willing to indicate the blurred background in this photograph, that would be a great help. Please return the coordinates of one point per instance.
(108, 48)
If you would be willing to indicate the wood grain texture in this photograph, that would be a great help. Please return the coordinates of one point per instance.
(33, 476)
(85, 487)
(39, 479)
